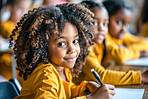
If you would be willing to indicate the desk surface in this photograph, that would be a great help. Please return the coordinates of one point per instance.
(138, 62)
(127, 68)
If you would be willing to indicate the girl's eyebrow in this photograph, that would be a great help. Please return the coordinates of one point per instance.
(63, 37)
(121, 18)
(99, 19)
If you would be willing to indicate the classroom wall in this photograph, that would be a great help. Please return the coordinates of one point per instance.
(136, 4)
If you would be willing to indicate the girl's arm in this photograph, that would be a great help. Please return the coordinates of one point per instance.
(110, 76)
(121, 54)
(135, 47)
(135, 42)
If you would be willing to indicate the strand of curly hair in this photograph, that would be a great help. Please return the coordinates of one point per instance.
(34, 30)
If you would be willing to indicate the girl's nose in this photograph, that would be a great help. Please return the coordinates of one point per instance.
(124, 28)
(71, 48)
(100, 27)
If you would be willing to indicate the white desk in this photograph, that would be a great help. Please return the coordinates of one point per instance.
(137, 62)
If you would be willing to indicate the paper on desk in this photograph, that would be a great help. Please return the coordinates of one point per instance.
(128, 93)
(137, 62)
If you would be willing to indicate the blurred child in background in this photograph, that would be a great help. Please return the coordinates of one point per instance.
(142, 21)
(17, 8)
(98, 53)
(42, 3)
(126, 46)
(53, 2)
(52, 41)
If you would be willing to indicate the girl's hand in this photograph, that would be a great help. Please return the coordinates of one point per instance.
(103, 92)
(91, 85)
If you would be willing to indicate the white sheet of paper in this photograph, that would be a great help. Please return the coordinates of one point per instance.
(137, 62)
(128, 93)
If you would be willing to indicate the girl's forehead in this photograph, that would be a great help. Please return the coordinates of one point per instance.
(123, 13)
(69, 30)
(100, 12)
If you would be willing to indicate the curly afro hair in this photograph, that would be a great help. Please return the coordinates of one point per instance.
(34, 30)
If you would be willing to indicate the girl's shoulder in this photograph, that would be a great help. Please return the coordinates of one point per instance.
(42, 73)
(47, 69)
(43, 68)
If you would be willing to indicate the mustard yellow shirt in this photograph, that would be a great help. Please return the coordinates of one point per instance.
(145, 30)
(134, 45)
(6, 29)
(107, 76)
(5, 59)
(45, 83)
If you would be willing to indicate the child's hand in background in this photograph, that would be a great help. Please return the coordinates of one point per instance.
(144, 54)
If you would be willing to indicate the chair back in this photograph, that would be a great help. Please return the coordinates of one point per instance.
(16, 83)
(8, 90)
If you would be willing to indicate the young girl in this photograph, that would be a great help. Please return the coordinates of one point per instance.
(17, 8)
(125, 45)
(52, 41)
(97, 52)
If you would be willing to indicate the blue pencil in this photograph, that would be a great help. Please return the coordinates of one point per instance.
(97, 76)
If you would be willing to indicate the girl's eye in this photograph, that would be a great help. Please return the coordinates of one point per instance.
(75, 41)
(61, 44)
(119, 23)
(105, 24)
(95, 23)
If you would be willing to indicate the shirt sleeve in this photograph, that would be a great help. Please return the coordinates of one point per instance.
(48, 86)
(45, 86)
(135, 42)
(78, 90)
(119, 54)
(110, 76)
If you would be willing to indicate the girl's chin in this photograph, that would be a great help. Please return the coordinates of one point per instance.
(99, 41)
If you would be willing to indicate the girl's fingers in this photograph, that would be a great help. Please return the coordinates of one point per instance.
(112, 92)
(111, 87)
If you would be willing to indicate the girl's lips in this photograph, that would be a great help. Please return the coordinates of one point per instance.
(70, 59)
(100, 36)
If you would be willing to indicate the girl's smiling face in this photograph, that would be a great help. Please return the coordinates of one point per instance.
(118, 23)
(100, 24)
(64, 49)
